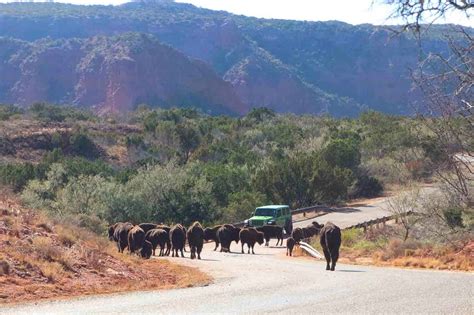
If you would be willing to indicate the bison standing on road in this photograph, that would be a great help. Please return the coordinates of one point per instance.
(330, 240)
(121, 235)
(272, 231)
(290, 244)
(210, 234)
(250, 236)
(178, 239)
(195, 237)
(226, 234)
(297, 235)
(136, 237)
(158, 237)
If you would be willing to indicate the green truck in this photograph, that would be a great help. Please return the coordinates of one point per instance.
(273, 215)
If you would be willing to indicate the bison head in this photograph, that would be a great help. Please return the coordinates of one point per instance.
(208, 234)
(146, 250)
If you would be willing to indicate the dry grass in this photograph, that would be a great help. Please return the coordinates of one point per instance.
(69, 261)
(382, 247)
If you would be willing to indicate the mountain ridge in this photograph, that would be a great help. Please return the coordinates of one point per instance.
(289, 66)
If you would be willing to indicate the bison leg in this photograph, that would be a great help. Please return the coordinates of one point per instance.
(243, 248)
(334, 258)
(327, 255)
(182, 254)
(253, 248)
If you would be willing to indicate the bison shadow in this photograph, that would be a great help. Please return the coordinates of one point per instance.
(348, 270)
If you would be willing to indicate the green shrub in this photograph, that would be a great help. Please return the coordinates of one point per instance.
(82, 145)
(366, 187)
(16, 175)
(454, 217)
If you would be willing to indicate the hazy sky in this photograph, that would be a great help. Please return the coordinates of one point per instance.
(350, 11)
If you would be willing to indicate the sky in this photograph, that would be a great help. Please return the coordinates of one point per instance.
(350, 11)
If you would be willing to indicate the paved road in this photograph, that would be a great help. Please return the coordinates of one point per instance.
(348, 216)
(272, 282)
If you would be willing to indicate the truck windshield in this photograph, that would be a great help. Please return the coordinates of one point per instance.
(264, 212)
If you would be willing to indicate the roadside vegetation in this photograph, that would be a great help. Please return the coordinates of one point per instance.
(181, 165)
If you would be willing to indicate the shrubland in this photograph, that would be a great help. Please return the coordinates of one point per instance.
(181, 165)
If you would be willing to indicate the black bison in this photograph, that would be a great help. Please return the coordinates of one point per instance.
(136, 237)
(158, 237)
(297, 235)
(310, 231)
(145, 252)
(210, 234)
(121, 235)
(250, 236)
(195, 236)
(330, 240)
(147, 226)
(272, 231)
(177, 238)
(226, 234)
(290, 244)
(168, 244)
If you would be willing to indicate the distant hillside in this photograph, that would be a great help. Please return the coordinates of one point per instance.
(114, 74)
(290, 66)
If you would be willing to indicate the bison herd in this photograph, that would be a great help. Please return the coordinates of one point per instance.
(143, 239)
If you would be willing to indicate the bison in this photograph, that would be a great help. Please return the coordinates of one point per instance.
(330, 240)
(290, 244)
(272, 231)
(136, 237)
(121, 235)
(178, 239)
(210, 234)
(310, 231)
(226, 234)
(195, 236)
(297, 235)
(250, 236)
(158, 237)
(145, 252)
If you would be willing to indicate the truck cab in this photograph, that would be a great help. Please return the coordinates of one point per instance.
(273, 215)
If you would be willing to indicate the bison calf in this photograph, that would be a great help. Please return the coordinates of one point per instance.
(195, 237)
(158, 237)
(290, 244)
(250, 236)
(330, 240)
(297, 235)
